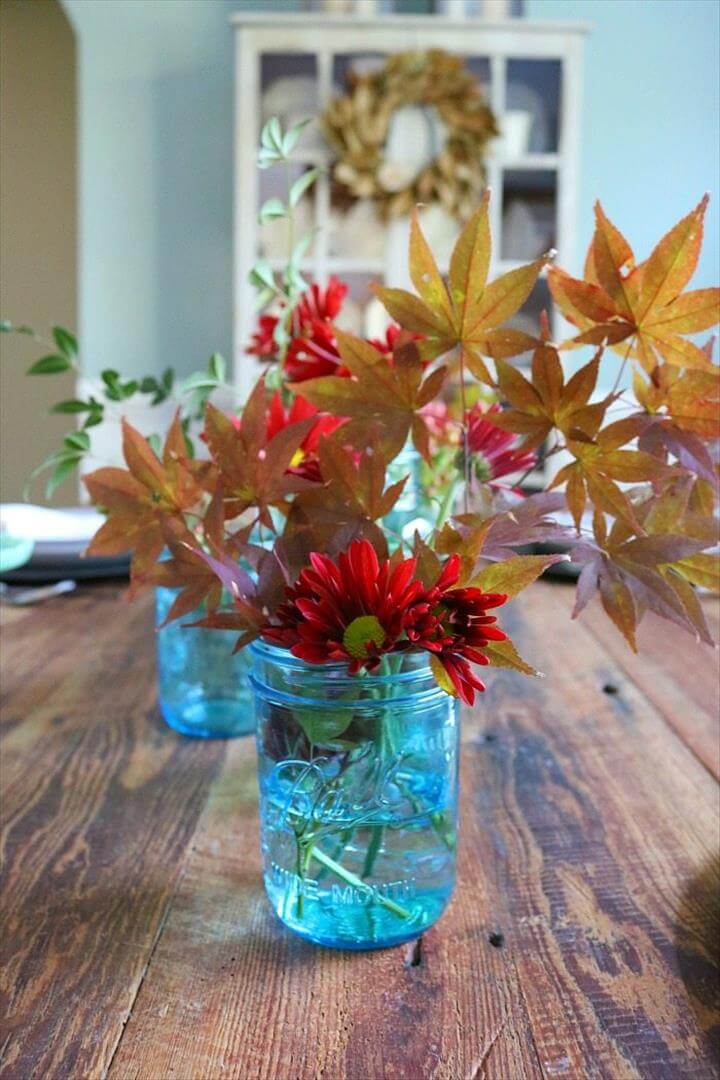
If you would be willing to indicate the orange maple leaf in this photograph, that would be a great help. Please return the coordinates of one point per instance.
(641, 305)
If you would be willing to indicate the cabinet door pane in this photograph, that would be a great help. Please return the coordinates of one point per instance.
(533, 90)
(528, 213)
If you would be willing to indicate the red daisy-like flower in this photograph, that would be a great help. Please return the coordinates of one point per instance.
(454, 625)
(318, 304)
(352, 610)
(305, 462)
(314, 353)
(356, 608)
(494, 452)
(262, 342)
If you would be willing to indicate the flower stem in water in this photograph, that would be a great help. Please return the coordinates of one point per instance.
(353, 879)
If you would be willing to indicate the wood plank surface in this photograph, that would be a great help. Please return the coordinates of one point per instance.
(100, 802)
(581, 941)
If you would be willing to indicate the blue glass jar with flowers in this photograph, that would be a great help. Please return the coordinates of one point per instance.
(358, 744)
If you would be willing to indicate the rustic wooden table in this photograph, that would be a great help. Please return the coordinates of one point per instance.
(138, 942)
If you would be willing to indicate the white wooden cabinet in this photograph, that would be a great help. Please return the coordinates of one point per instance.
(525, 67)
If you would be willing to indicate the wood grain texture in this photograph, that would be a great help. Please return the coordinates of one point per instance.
(580, 941)
(679, 676)
(100, 801)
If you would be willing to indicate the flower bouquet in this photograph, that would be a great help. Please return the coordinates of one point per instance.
(365, 638)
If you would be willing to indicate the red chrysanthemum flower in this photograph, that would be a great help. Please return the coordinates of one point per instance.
(352, 610)
(314, 353)
(454, 625)
(305, 462)
(356, 608)
(262, 342)
(494, 452)
(318, 304)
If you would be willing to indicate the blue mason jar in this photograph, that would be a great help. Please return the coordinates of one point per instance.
(410, 513)
(203, 688)
(358, 781)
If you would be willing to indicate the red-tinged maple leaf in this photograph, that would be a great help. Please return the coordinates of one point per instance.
(546, 401)
(691, 398)
(186, 568)
(635, 573)
(595, 475)
(346, 508)
(378, 396)
(642, 306)
(517, 522)
(468, 312)
(140, 498)
(253, 597)
(253, 468)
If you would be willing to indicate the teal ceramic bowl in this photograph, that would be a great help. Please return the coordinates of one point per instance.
(14, 551)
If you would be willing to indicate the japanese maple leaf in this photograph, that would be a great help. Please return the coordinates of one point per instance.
(643, 305)
(467, 312)
(546, 401)
(252, 598)
(253, 469)
(346, 508)
(378, 396)
(140, 498)
(186, 569)
(635, 573)
(599, 467)
(691, 399)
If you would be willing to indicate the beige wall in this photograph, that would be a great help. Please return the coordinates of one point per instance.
(38, 229)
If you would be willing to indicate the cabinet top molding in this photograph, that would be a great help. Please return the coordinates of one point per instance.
(320, 20)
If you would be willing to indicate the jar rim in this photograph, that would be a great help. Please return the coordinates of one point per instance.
(263, 649)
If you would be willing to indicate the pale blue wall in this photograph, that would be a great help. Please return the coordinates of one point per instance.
(156, 156)
(155, 182)
(650, 117)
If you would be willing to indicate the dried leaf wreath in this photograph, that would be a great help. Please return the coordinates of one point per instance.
(357, 127)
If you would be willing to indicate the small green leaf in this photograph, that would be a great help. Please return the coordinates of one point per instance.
(129, 388)
(263, 298)
(50, 365)
(77, 440)
(293, 280)
(95, 417)
(199, 381)
(61, 472)
(155, 443)
(271, 136)
(271, 210)
(217, 367)
(262, 276)
(301, 185)
(72, 406)
(292, 136)
(65, 341)
(148, 385)
(321, 727)
(301, 248)
(267, 158)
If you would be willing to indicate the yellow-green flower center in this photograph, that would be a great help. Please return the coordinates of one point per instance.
(361, 632)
